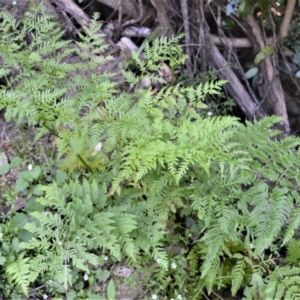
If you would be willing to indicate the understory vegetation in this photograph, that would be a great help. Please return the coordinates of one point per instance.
(193, 205)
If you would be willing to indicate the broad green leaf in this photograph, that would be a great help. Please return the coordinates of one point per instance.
(2, 260)
(33, 205)
(15, 162)
(16, 244)
(263, 54)
(102, 275)
(260, 56)
(4, 169)
(251, 72)
(19, 220)
(3, 158)
(79, 285)
(21, 184)
(61, 176)
(38, 190)
(36, 172)
(95, 297)
(268, 50)
(72, 295)
(111, 290)
(25, 236)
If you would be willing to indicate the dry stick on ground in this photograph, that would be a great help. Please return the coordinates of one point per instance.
(70, 7)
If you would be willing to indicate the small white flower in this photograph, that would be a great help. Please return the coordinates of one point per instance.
(15, 3)
(29, 167)
(59, 243)
(173, 265)
(158, 260)
(209, 113)
(86, 277)
(172, 299)
(45, 296)
(251, 246)
(97, 148)
(179, 297)
(105, 258)
(154, 297)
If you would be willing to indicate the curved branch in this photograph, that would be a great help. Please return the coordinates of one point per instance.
(162, 17)
(270, 88)
(234, 87)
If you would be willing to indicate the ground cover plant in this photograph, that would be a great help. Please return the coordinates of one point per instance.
(200, 206)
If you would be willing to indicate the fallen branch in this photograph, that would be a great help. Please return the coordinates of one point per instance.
(234, 87)
(270, 88)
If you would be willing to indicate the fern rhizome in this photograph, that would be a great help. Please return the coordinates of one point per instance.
(138, 162)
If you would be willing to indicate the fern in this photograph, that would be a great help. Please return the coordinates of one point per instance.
(72, 234)
(293, 253)
(18, 272)
(238, 273)
(144, 157)
(283, 283)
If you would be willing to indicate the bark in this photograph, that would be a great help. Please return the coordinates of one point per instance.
(165, 28)
(234, 87)
(270, 89)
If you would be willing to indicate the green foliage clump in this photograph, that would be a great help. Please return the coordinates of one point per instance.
(82, 223)
(147, 171)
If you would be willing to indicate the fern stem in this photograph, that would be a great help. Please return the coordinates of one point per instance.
(55, 133)
(85, 164)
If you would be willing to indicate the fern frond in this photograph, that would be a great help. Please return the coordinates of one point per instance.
(238, 274)
(18, 272)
